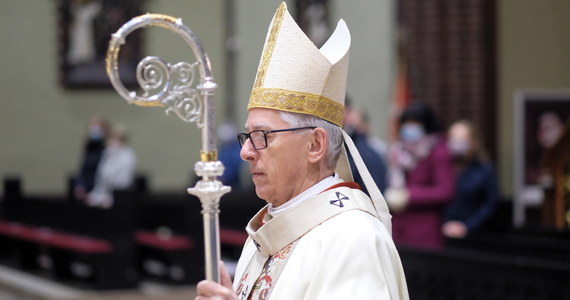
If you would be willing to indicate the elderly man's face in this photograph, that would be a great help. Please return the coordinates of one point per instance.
(278, 171)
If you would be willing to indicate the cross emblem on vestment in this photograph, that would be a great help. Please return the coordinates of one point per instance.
(339, 198)
(257, 245)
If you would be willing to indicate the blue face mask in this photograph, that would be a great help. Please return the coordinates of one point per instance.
(95, 133)
(411, 132)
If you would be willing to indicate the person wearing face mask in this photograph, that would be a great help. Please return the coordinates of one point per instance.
(84, 180)
(476, 187)
(421, 179)
(116, 170)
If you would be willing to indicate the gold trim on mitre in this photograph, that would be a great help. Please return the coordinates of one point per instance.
(269, 45)
(296, 76)
(297, 102)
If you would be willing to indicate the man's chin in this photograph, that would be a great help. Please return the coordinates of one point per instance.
(261, 193)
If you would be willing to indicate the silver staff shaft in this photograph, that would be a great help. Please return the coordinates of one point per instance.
(172, 87)
(209, 191)
(212, 244)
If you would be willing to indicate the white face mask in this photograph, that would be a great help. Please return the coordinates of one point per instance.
(411, 132)
(459, 147)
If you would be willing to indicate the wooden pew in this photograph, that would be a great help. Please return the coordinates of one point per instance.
(475, 274)
(170, 233)
(169, 239)
(71, 241)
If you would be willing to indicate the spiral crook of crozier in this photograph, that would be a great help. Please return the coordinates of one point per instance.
(172, 86)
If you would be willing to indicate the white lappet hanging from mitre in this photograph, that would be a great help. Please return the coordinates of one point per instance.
(296, 76)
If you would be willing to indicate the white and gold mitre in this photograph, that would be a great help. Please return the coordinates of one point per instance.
(296, 76)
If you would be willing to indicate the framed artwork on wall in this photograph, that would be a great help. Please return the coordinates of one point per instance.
(84, 31)
(541, 118)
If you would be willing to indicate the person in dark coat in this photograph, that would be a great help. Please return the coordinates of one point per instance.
(476, 188)
(84, 180)
(355, 125)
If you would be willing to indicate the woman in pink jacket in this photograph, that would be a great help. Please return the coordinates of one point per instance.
(421, 180)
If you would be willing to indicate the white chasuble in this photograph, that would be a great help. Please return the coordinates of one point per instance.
(330, 246)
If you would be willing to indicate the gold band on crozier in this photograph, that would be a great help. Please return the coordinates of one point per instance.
(298, 102)
(208, 156)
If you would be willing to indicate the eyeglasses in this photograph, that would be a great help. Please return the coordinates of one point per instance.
(258, 138)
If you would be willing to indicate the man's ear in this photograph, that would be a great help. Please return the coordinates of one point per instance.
(318, 145)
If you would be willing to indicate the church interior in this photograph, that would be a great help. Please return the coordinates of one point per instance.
(504, 66)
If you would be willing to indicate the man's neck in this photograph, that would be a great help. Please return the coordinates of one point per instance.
(307, 193)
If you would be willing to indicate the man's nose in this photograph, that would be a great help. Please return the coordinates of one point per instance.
(247, 151)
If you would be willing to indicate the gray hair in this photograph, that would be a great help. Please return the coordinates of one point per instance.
(334, 133)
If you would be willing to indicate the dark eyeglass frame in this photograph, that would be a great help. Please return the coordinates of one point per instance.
(243, 137)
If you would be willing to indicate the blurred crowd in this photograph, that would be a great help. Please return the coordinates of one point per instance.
(437, 182)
